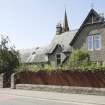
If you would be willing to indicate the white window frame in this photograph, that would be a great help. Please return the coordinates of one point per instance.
(90, 49)
(94, 42)
(100, 44)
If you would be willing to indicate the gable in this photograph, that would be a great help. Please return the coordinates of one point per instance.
(58, 48)
(92, 18)
(63, 40)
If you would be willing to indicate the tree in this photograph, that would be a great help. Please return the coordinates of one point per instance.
(9, 57)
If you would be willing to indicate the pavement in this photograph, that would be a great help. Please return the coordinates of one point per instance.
(28, 97)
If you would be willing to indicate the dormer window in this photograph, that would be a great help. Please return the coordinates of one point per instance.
(94, 42)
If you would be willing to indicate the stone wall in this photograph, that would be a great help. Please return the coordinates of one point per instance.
(81, 42)
(62, 78)
(63, 89)
(66, 82)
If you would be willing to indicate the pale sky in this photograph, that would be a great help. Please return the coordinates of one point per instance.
(31, 23)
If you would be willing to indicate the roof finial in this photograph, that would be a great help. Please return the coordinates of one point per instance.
(65, 6)
(92, 4)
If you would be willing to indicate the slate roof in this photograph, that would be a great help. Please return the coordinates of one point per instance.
(24, 54)
(39, 55)
(35, 55)
(63, 40)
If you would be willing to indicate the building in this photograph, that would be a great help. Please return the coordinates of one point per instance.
(89, 37)
(60, 48)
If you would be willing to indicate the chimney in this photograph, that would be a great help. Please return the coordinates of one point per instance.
(58, 29)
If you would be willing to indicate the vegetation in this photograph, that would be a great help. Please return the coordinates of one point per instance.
(35, 68)
(79, 58)
(9, 61)
(9, 57)
(78, 61)
(49, 68)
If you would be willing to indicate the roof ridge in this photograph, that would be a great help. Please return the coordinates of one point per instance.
(73, 30)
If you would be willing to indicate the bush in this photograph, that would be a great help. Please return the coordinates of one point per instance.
(28, 67)
(48, 68)
(78, 58)
(35, 68)
(80, 61)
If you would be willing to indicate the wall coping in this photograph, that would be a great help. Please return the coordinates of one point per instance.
(63, 89)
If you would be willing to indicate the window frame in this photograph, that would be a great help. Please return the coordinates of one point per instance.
(93, 42)
(58, 58)
(90, 49)
(100, 42)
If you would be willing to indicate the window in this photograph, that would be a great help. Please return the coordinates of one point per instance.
(97, 42)
(58, 59)
(90, 42)
(94, 42)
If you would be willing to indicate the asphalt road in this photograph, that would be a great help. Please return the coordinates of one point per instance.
(25, 97)
(20, 100)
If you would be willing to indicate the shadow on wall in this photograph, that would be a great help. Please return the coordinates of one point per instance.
(64, 78)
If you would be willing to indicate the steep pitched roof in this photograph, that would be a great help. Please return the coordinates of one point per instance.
(24, 54)
(35, 55)
(39, 55)
(63, 40)
(92, 12)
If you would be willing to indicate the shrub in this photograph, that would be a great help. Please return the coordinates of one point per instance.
(79, 61)
(78, 58)
(28, 67)
(48, 67)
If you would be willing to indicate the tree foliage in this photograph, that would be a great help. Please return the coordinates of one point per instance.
(79, 58)
(9, 57)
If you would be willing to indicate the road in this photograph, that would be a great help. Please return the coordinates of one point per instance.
(25, 97)
(14, 100)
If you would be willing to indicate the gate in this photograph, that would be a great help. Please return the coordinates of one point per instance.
(5, 80)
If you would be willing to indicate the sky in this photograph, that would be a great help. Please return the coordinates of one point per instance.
(32, 23)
